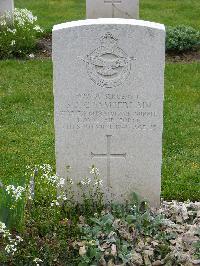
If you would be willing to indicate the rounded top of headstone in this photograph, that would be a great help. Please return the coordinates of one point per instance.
(111, 21)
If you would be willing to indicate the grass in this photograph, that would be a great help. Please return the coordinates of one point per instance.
(27, 102)
(51, 12)
(181, 158)
(27, 137)
(28, 132)
(169, 12)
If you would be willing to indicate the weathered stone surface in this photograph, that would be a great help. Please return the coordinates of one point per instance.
(108, 94)
(6, 6)
(112, 9)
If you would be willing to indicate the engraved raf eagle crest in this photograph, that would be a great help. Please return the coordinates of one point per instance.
(108, 66)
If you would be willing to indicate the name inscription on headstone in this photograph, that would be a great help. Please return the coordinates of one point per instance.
(109, 111)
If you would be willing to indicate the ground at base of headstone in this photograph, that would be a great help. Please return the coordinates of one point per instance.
(176, 242)
(184, 57)
(44, 47)
(59, 231)
(44, 50)
(149, 240)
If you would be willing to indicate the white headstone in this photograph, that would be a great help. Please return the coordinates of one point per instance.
(112, 9)
(6, 6)
(108, 96)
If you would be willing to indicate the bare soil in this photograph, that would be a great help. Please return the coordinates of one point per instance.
(185, 57)
(44, 47)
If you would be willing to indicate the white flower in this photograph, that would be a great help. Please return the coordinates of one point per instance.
(11, 30)
(94, 171)
(46, 168)
(3, 22)
(85, 181)
(55, 203)
(54, 179)
(38, 28)
(37, 261)
(31, 55)
(23, 16)
(4, 231)
(62, 182)
(19, 239)
(71, 181)
(62, 197)
(2, 227)
(99, 182)
(11, 248)
(15, 192)
(13, 43)
(47, 174)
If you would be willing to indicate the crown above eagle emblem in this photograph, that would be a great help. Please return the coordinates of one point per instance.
(109, 40)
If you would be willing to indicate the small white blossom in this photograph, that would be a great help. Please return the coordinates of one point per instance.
(24, 15)
(15, 192)
(37, 261)
(38, 28)
(46, 168)
(71, 181)
(11, 247)
(85, 181)
(61, 182)
(4, 231)
(19, 239)
(11, 30)
(99, 182)
(94, 171)
(31, 55)
(55, 203)
(2, 227)
(13, 43)
(3, 22)
(62, 197)
(54, 179)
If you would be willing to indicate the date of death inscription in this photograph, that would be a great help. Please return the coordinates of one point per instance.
(108, 111)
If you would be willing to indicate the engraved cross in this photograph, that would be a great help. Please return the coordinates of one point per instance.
(113, 2)
(108, 156)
